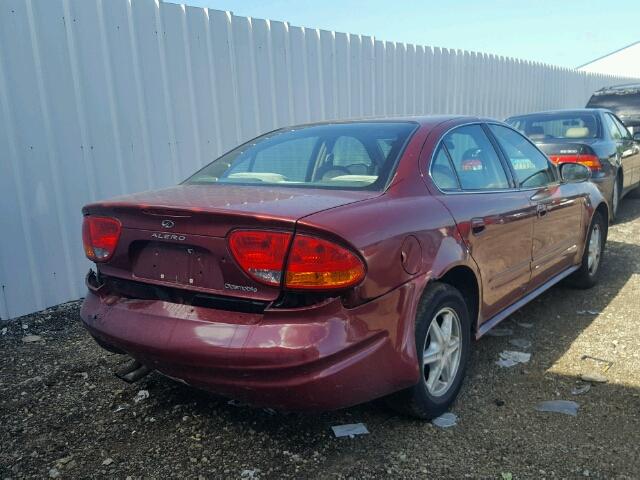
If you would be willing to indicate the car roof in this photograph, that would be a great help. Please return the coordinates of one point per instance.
(562, 111)
(422, 120)
(629, 88)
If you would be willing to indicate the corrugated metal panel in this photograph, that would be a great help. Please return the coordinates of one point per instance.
(100, 98)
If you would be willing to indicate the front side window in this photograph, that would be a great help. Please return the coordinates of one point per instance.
(475, 160)
(531, 167)
(342, 156)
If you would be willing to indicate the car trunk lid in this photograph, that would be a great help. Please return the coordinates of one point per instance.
(176, 237)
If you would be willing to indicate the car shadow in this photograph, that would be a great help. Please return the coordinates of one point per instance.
(628, 211)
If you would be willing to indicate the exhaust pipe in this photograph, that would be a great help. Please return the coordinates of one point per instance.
(133, 371)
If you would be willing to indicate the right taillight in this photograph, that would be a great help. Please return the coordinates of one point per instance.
(312, 263)
(317, 264)
(100, 236)
(588, 160)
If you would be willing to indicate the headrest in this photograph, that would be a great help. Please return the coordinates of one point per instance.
(577, 132)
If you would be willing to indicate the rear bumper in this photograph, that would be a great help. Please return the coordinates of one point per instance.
(315, 358)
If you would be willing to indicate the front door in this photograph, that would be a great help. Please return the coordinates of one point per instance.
(557, 230)
(558, 207)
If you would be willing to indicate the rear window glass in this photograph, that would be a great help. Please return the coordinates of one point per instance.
(350, 155)
(549, 126)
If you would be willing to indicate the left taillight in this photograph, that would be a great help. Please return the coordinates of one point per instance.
(100, 236)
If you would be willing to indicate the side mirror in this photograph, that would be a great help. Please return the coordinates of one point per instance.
(574, 173)
(636, 136)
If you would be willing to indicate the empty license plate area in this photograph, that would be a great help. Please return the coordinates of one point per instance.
(187, 265)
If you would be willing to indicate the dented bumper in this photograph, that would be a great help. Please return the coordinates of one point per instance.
(321, 357)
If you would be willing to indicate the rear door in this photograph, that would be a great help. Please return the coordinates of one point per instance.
(494, 219)
(558, 207)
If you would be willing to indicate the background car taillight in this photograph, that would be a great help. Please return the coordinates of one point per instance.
(588, 160)
(100, 236)
(313, 263)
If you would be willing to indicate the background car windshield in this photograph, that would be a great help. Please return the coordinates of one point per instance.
(351, 155)
(553, 126)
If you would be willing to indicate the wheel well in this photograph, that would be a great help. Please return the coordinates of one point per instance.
(465, 281)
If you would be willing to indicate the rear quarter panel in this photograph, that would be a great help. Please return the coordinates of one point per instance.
(401, 235)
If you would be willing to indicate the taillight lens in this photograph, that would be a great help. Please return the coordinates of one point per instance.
(588, 160)
(100, 236)
(313, 263)
(260, 253)
(317, 264)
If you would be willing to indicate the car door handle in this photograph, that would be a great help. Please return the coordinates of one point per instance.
(477, 226)
(541, 209)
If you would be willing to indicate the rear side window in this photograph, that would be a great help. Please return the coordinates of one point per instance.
(475, 160)
(614, 133)
(342, 156)
(531, 167)
(442, 173)
(624, 133)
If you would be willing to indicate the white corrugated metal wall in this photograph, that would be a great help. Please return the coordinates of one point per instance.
(104, 97)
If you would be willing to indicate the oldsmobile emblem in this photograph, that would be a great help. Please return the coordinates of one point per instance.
(167, 224)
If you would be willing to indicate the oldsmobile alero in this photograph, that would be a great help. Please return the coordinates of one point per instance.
(325, 265)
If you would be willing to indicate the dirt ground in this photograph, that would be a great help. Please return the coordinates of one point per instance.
(63, 414)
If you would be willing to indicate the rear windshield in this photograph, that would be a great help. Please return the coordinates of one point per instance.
(549, 126)
(344, 156)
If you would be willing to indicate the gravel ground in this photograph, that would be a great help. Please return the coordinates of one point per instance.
(64, 414)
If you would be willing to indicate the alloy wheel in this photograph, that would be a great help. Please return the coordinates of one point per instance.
(442, 352)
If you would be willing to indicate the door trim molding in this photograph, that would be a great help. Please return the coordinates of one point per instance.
(497, 318)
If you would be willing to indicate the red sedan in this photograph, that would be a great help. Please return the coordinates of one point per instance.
(325, 265)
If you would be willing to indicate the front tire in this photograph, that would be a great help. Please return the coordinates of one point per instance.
(443, 342)
(587, 275)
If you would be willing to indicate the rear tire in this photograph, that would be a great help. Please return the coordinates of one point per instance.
(587, 275)
(615, 198)
(443, 342)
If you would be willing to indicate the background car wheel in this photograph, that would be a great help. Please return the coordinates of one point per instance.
(587, 275)
(443, 341)
(615, 198)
